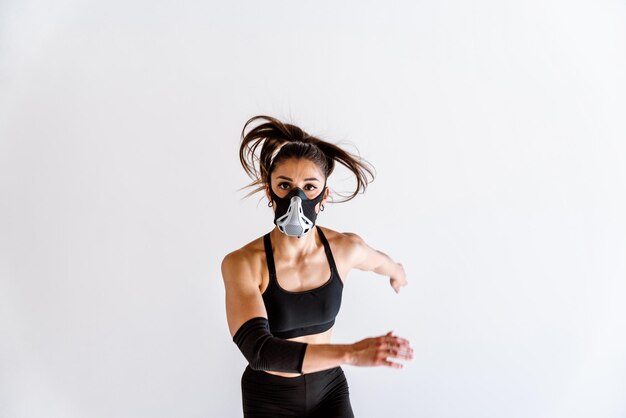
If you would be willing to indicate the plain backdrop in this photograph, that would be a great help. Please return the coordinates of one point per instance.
(497, 131)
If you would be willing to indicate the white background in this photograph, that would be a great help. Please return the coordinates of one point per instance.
(497, 130)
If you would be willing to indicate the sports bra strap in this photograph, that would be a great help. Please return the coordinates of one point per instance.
(329, 253)
(269, 255)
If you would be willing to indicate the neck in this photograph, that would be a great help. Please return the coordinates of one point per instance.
(294, 247)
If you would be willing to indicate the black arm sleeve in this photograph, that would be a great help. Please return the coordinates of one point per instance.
(266, 352)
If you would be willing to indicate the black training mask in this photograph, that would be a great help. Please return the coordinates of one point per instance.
(295, 213)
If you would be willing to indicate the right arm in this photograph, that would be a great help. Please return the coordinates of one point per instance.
(247, 322)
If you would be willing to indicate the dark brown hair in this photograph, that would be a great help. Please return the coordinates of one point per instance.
(280, 141)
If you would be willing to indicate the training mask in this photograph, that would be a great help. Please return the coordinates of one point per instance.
(295, 213)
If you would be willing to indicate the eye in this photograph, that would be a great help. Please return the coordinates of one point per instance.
(280, 185)
(309, 187)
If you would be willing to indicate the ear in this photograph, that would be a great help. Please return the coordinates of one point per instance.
(326, 194)
(267, 193)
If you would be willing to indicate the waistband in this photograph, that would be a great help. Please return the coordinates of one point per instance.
(272, 378)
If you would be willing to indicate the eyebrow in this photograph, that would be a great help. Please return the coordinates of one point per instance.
(306, 179)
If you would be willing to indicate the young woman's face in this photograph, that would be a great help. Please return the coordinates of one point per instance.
(301, 173)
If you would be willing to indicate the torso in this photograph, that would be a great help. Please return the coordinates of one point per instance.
(303, 275)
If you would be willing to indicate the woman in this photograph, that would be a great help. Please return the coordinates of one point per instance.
(283, 290)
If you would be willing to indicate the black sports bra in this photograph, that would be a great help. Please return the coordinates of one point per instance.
(293, 314)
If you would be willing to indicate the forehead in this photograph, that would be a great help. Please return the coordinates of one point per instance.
(297, 169)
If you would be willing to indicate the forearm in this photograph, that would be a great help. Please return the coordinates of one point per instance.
(325, 356)
(387, 266)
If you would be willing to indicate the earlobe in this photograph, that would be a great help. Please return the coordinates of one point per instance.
(268, 195)
(321, 204)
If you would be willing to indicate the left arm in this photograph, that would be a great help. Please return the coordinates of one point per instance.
(367, 258)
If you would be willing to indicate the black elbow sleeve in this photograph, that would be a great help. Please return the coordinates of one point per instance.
(266, 352)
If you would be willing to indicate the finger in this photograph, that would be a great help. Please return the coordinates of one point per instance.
(393, 343)
(403, 345)
(401, 353)
(393, 285)
(404, 354)
(394, 339)
(401, 341)
(393, 364)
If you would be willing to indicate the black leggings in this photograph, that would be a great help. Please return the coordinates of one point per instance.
(319, 394)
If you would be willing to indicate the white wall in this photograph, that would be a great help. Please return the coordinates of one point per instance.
(497, 130)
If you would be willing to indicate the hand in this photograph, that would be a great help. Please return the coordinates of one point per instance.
(374, 351)
(399, 279)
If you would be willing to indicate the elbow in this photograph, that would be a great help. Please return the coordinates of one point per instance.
(266, 352)
(257, 361)
(257, 365)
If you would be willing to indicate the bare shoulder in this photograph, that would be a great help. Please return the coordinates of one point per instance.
(343, 244)
(243, 262)
(349, 249)
(341, 239)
